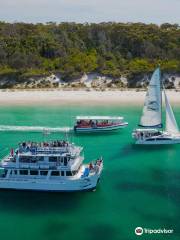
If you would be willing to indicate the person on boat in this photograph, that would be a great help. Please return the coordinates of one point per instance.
(98, 162)
(90, 123)
(27, 148)
(93, 124)
(78, 123)
(12, 152)
(91, 166)
(158, 133)
(137, 135)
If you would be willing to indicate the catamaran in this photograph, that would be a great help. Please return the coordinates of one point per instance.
(49, 166)
(85, 124)
(151, 127)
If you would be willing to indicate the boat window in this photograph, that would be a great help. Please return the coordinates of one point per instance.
(61, 159)
(68, 173)
(40, 159)
(52, 159)
(74, 173)
(163, 138)
(62, 173)
(2, 173)
(55, 173)
(65, 161)
(24, 159)
(43, 173)
(23, 172)
(15, 172)
(33, 172)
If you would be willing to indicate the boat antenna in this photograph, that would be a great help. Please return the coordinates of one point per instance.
(66, 137)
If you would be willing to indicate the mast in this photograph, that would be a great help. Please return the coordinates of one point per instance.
(161, 87)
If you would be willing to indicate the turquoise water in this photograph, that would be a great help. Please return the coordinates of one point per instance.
(140, 186)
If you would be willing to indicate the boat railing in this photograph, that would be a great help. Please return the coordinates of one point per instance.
(6, 159)
(7, 164)
(53, 149)
(24, 165)
(48, 150)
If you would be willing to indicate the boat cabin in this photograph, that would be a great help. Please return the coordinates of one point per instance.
(97, 121)
(36, 173)
(146, 133)
(61, 156)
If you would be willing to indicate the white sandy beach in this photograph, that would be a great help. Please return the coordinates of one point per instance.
(59, 97)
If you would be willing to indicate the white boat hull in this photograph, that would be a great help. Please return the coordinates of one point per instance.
(156, 141)
(101, 129)
(82, 184)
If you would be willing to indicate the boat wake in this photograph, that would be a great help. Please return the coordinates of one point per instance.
(34, 129)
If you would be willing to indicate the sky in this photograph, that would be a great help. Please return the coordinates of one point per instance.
(147, 11)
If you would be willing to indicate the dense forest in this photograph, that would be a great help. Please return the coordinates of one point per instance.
(112, 49)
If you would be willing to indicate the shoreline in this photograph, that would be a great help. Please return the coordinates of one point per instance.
(78, 97)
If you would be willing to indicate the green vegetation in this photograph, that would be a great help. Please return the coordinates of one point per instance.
(112, 49)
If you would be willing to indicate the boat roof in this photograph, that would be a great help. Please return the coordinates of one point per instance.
(99, 118)
(147, 130)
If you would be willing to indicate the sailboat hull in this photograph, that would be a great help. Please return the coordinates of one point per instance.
(164, 140)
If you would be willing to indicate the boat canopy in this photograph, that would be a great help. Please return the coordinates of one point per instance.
(99, 118)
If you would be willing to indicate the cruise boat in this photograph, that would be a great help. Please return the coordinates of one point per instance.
(88, 124)
(49, 166)
(151, 128)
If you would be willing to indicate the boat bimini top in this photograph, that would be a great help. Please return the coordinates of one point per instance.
(99, 118)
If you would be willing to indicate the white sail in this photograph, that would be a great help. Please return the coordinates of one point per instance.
(171, 124)
(152, 116)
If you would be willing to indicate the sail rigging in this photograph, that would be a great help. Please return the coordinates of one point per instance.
(152, 111)
(171, 124)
